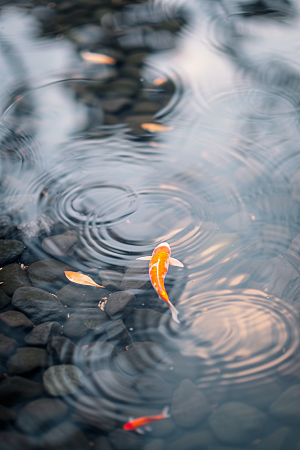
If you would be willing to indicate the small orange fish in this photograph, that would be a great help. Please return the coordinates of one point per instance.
(158, 268)
(142, 423)
(79, 278)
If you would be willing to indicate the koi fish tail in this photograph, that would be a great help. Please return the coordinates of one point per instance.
(165, 412)
(173, 311)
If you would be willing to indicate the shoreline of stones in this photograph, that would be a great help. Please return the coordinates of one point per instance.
(77, 361)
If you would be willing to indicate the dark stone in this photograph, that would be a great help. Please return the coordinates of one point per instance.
(189, 406)
(4, 299)
(85, 296)
(287, 405)
(40, 415)
(10, 250)
(139, 357)
(259, 393)
(115, 104)
(84, 320)
(18, 388)
(175, 367)
(26, 359)
(6, 415)
(65, 379)
(197, 440)
(48, 274)
(102, 443)
(153, 388)
(5, 226)
(275, 440)
(61, 244)
(149, 325)
(95, 411)
(111, 279)
(7, 345)
(13, 277)
(115, 387)
(14, 321)
(11, 440)
(38, 304)
(98, 355)
(237, 423)
(280, 278)
(65, 436)
(136, 276)
(125, 440)
(43, 333)
(117, 331)
(61, 350)
(119, 304)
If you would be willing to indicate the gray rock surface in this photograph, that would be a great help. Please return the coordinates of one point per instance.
(287, 405)
(139, 357)
(119, 304)
(4, 299)
(237, 423)
(85, 296)
(15, 320)
(39, 305)
(43, 333)
(63, 380)
(26, 359)
(61, 350)
(13, 277)
(196, 440)
(95, 411)
(124, 440)
(115, 387)
(18, 388)
(136, 276)
(6, 415)
(111, 279)
(10, 250)
(102, 443)
(7, 345)
(118, 333)
(48, 274)
(275, 440)
(153, 388)
(11, 440)
(61, 244)
(80, 322)
(65, 436)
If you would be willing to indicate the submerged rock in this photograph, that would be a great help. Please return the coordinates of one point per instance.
(26, 359)
(65, 436)
(62, 244)
(48, 274)
(124, 440)
(115, 387)
(117, 331)
(189, 406)
(95, 411)
(11, 440)
(287, 405)
(7, 345)
(102, 443)
(5, 226)
(10, 250)
(38, 304)
(139, 357)
(4, 299)
(84, 320)
(15, 321)
(63, 380)
(275, 440)
(43, 333)
(237, 423)
(153, 388)
(111, 279)
(197, 440)
(85, 296)
(136, 276)
(13, 277)
(119, 304)
(18, 388)
(40, 415)
(61, 350)
(6, 415)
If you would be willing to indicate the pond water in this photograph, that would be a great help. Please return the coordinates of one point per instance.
(123, 125)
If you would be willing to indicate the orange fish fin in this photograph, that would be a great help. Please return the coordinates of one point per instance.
(175, 262)
(173, 311)
(146, 258)
(80, 278)
(140, 430)
(165, 412)
(148, 428)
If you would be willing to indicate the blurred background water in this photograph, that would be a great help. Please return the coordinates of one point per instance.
(125, 124)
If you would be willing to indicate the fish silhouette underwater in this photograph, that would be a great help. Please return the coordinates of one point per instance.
(141, 424)
(158, 268)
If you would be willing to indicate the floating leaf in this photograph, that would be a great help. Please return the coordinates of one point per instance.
(97, 58)
(79, 278)
(1, 282)
(154, 127)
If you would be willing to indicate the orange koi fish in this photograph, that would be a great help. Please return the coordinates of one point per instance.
(158, 268)
(141, 424)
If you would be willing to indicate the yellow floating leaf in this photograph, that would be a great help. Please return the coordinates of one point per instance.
(1, 282)
(159, 81)
(79, 278)
(97, 58)
(154, 127)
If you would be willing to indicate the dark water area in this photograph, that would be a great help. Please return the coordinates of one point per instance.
(122, 125)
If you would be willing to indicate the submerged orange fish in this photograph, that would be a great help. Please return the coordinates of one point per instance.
(158, 268)
(142, 423)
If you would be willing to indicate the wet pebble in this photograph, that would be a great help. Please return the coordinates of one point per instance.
(61, 244)
(65, 379)
(86, 34)
(176, 367)
(237, 423)
(14, 321)
(84, 320)
(117, 332)
(43, 333)
(119, 304)
(10, 250)
(64, 437)
(124, 440)
(11, 440)
(48, 274)
(139, 357)
(259, 394)
(95, 411)
(26, 359)
(13, 277)
(5, 226)
(40, 415)
(102, 443)
(98, 355)
(61, 350)
(39, 305)
(115, 387)
(287, 406)
(155, 444)
(115, 105)
(146, 325)
(275, 440)
(199, 439)
(7, 345)
(110, 278)
(189, 406)
(6, 415)
(153, 388)
(4, 299)
(85, 296)
(17, 388)
(136, 276)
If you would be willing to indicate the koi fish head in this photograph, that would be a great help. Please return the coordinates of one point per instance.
(162, 247)
(128, 426)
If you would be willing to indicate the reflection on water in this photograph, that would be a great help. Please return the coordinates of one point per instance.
(125, 124)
